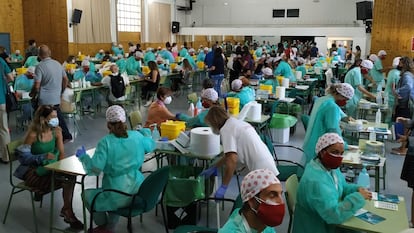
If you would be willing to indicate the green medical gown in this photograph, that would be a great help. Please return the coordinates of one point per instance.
(392, 78)
(120, 160)
(354, 78)
(285, 70)
(133, 67)
(324, 199)
(325, 118)
(245, 95)
(197, 121)
(235, 224)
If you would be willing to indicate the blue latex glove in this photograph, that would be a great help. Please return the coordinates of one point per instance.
(221, 191)
(146, 132)
(80, 152)
(177, 116)
(209, 172)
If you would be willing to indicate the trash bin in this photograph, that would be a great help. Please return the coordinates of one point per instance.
(279, 127)
(292, 109)
(184, 187)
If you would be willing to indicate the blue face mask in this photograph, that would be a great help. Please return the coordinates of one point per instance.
(53, 122)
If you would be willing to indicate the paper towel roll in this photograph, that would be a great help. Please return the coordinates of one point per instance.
(285, 82)
(374, 147)
(204, 143)
(280, 92)
(255, 111)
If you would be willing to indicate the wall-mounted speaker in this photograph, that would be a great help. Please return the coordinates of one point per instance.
(175, 27)
(76, 17)
(364, 10)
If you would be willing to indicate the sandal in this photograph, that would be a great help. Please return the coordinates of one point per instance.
(69, 217)
(401, 152)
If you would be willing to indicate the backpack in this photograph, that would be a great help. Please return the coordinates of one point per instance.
(117, 86)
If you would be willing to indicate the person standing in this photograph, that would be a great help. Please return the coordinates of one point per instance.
(241, 145)
(50, 81)
(5, 77)
(217, 70)
(378, 69)
(32, 50)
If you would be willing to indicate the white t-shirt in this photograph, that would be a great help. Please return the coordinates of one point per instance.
(106, 81)
(240, 137)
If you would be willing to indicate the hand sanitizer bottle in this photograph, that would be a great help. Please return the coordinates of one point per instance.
(155, 133)
(363, 178)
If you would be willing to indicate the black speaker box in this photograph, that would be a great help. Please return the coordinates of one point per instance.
(364, 10)
(175, 28)
(76, 17)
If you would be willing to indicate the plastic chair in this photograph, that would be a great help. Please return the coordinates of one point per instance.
(76, 111)
(238, 203)
(135, 119)
(146, 199)
(305, 120)
(291, 191)
(17, 187)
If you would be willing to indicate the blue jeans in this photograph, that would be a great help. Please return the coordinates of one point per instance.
(217, 79)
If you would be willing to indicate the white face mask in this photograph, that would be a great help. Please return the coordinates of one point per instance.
(53, 122)
(168, 100)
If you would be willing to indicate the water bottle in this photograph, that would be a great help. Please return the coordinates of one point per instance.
(379, 98)
(191, 110)
(378, 117)
(155, 133)
(363, 178)
(199, 107)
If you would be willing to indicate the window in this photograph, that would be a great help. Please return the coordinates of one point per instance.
(129, 15)
(292, 13)
(278, 13)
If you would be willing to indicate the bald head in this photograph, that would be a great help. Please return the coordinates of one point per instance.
(44, 52)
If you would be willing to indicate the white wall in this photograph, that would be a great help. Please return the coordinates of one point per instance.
(208, 13)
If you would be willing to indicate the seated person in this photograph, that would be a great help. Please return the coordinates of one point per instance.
(161, 65)
(324, 198)
(69, 65)
(158, 111)
(43, 144)
(269, 79)
(119, 156)
(100, 54)
(263, 207)
(24, 83)
(16, 56)
(121, 63)
(116, 83)
(246, 85)
(133, 64)
(301, 66)
(209, 98)
(150, 82)
(243, 93)
(31, 61)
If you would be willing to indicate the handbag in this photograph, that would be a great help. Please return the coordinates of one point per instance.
(11, 101)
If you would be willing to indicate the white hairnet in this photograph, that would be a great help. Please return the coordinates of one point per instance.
(373, 57)
(395, 62)
(327, 140)
(346, 90)
(139, 54)
(236, 84)
(115, 113)
(210, 94)
(85, 62)
(382, 53)
(255, 181)
(267, 71)
(367, 64)
(31, 69)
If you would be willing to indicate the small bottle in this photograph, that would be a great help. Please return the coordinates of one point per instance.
(378, 117)
(155, 133)
(379, 98)
(199, 106)
(363, 178)
(191, 110)
(386, 99)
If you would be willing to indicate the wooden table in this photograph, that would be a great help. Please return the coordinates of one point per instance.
(71, 166)
(353, 158)
(395, 221)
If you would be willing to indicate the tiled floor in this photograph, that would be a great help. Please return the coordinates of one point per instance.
(20, 218)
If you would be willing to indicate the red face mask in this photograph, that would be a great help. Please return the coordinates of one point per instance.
(330, 160)
(341, 103)
(85, 69)
(270, 213)
(205, 104)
